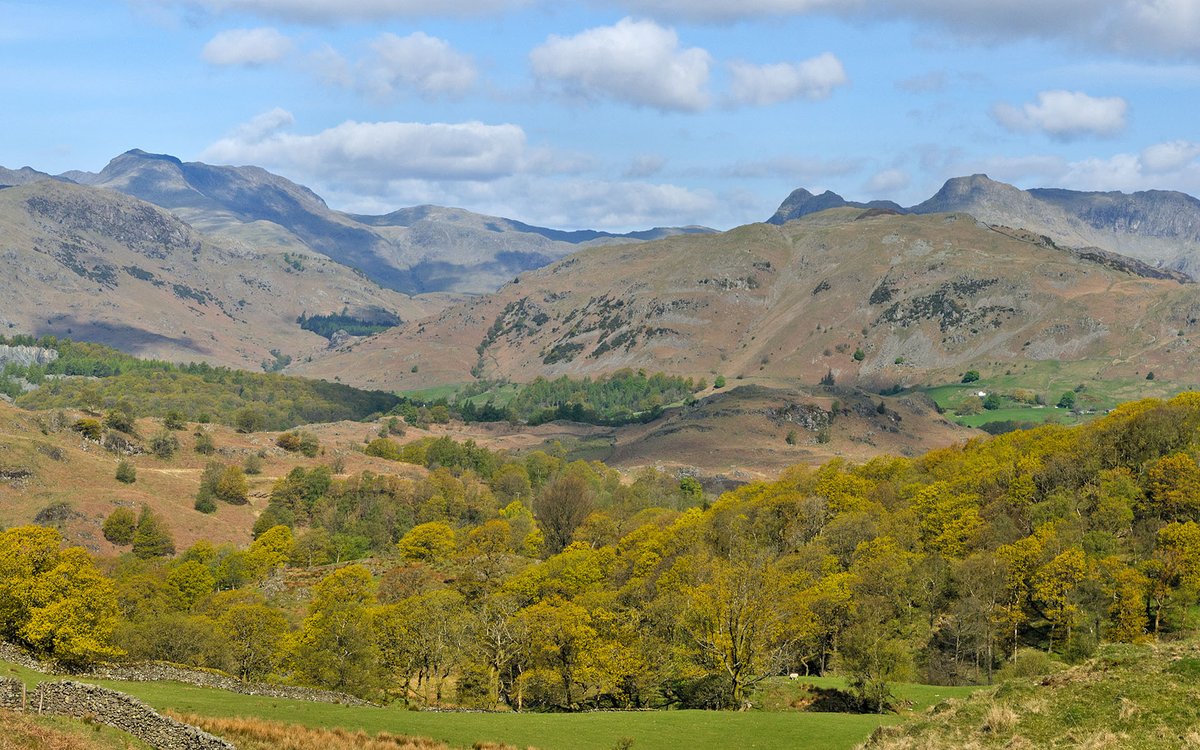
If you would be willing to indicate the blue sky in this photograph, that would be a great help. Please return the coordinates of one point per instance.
(613, 114)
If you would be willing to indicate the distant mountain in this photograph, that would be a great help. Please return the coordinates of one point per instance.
(876, 298)
(413, 250)
(801, 203)
(97, 265)
(22, 176)
(1160, 227)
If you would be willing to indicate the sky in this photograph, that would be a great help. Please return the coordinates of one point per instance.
(613, 114)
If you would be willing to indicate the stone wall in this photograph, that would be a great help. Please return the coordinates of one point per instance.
(158, 671)
(122, 712)
(12, 693)
(109, 707)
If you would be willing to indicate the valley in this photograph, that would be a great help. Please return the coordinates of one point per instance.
(545, 496)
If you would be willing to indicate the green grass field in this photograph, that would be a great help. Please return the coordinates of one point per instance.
(1050, 380)
(649, 730)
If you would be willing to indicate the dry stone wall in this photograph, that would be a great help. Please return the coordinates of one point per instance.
(123, 712)
(12, 693)
(116, 709)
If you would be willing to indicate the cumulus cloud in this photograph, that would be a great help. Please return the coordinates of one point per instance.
(1140, 28)
(345, 11)
(416, 62)
(815, 78)
(1065, 114)
(636, 62)
(1174, 165)
(369, 152)
(248, 47)
(1168, 157)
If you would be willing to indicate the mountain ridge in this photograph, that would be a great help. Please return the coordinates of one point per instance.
(1160, 227)
(412, 250)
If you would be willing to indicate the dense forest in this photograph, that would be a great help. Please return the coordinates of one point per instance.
(198, 391)
(535, 583)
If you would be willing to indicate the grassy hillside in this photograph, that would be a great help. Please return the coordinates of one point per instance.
(97, 265)
(25, 732)
(1134, 697)
(872, 300)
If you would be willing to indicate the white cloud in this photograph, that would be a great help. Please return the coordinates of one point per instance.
(1139, 28)
(1174, 165)
(418, 62)
(637, 62)
(887, 182)
(1169, 157)
(247, 47)
(1065, 114)
(815, 78)
(368, 153)
(346, 11)
(262, 126)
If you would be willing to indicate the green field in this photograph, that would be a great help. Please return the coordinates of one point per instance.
(649, 730)
(1050, 380)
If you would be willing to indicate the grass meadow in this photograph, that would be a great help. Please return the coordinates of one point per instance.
(647, 730)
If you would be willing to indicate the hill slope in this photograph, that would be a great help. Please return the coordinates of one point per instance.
(100, 266)
(413, 250)
(872, 298)
(1129, 696)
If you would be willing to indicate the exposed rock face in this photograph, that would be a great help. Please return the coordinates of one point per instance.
(26, 355)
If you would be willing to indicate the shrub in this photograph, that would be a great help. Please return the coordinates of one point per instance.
(719, 382)
(120, 418)
(992, 402)
(119, 527)
(249, 419)
(126, 473)
(384, 448)
(164, 444)
(791, 437)
(152, 538)
(970, 376)
(859, 355)
(204, 444)
(232, 487)
(299, 441)
(90, 429)
(252, 464)
(173, 420)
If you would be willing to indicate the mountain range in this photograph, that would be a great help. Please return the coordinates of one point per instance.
(1161, 227)
(188, 260)
(868, 296)
(412, 250)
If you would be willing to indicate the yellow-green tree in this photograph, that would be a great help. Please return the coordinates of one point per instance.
(54, 600)
(428, 542)
(335, 647)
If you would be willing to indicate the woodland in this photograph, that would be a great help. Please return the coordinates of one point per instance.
(536, 583)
